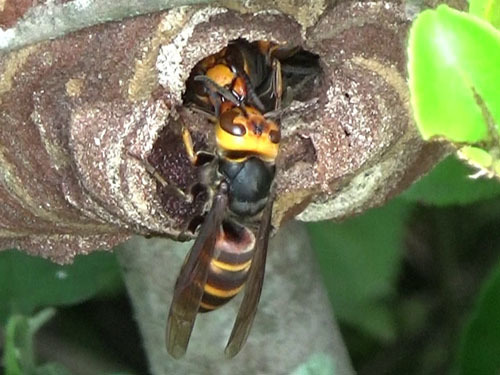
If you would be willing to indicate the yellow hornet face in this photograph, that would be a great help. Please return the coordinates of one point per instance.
(241, 134)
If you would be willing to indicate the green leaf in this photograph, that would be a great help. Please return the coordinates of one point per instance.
(12, 357)
(487, 9)
(19, 358)
(28, 283)
(449, 184)
(480, 345)
(360, 260)
(454, 61)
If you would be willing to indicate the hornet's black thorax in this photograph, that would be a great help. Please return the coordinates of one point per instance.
(249, 184)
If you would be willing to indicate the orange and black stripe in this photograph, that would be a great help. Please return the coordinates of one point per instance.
(229, 268)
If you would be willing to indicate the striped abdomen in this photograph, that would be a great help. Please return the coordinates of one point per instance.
(229, 267)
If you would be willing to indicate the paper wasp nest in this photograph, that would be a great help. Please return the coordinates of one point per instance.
(78, 114)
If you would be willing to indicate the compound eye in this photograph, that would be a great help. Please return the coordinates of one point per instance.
(275, 136)
(226, 123)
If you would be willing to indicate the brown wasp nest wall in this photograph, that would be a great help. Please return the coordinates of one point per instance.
(79, 112)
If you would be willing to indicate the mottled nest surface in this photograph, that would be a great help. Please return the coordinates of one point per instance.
(78, 114)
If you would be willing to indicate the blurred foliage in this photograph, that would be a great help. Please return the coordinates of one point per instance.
(449, 184)
(480, 346)
(19, 358)
(28, 283)
(402, 278)
(366, 251)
